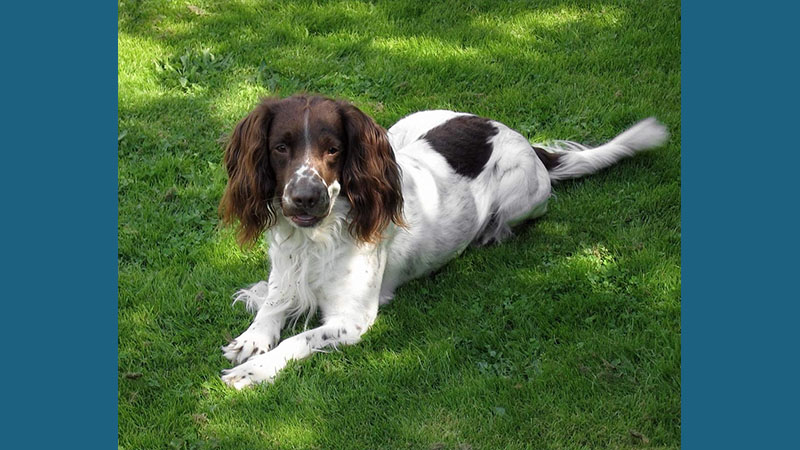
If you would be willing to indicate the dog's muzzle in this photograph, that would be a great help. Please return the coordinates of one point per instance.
(306, 201)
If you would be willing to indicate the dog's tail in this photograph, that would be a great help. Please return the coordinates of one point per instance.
(566, 159)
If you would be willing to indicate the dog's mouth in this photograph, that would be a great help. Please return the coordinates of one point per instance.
(305, 220)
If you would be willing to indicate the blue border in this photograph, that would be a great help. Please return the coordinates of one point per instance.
(739, 199)
(60, 224)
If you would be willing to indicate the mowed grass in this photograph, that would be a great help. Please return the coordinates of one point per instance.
(566, 336)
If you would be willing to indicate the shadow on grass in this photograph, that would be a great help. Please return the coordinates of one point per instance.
(455, 349)
(391, 66)
(547, 338)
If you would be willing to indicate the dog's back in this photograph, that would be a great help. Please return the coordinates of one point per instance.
(468, 179)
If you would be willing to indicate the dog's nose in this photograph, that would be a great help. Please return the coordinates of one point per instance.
(307, 196)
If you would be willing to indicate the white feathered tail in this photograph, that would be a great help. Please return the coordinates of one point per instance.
(576, 160)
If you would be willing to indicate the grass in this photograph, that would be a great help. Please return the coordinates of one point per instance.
(566, 336)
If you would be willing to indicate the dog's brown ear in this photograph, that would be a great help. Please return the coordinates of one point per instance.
(370, 176)
(250, 190)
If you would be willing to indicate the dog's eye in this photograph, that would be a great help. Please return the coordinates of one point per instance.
(281, 148)
(333, 150)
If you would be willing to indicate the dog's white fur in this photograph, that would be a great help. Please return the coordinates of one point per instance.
(323, 268)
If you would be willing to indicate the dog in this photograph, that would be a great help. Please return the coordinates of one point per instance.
(352, 211)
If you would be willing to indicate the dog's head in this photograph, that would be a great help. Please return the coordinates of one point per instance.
(291, 158)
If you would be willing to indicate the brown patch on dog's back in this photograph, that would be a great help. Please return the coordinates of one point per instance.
(464, 143)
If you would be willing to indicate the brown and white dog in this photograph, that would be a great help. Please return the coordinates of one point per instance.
(351, 211)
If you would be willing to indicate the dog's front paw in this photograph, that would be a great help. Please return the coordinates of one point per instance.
(259, 369)
(252, 342)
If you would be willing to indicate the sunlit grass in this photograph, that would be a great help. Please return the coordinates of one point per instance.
(566, 336)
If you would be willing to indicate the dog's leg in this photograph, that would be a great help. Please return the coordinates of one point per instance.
(349, 309)
(522, 189)
(338, 330)
(265, 331)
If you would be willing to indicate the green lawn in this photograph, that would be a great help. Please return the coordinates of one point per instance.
(566, 336)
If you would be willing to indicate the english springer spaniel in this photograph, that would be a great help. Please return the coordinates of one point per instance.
(351, 211)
